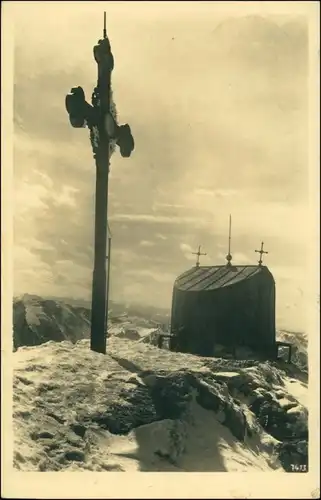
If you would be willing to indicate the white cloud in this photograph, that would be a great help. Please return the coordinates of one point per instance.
(66, 196)
(152, 274)
(29, 243)
(241, 258)
(157, 219)
(30, 273)
(125, 256)
(158, 205)
(203, 192)
(190, 257)
(28, 196)
(146, 243)
(185, 247)
(238, 258)
(215, 192)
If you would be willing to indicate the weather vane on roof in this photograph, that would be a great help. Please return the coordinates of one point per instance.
(198, 253)
(229, 256)
(105, 29)
(261, 252)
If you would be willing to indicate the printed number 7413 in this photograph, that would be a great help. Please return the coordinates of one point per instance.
(299, 468)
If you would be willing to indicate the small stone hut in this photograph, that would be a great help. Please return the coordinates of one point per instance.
(224, 307)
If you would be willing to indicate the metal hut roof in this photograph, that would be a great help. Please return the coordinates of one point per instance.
(215, 277)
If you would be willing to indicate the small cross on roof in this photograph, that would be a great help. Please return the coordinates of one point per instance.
(261, 252)
(198, 253)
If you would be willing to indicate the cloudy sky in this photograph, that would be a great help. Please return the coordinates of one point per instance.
(218, 106)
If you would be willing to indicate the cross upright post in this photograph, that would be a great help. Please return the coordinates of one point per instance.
(198, 253)
(108, 279)
(104, 134)
(261, 252)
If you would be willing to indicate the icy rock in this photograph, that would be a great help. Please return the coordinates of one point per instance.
(291, 453)
(48, 465)
(229, 414)
(235, 420)
(258, 398)
(128, 333)
(171, 395)
(151, 338)
(302, 447)
(165, 438)
(282, 418)
(41, 435)
(279, 394)
(228, 377)
(297, 411)
(74, 455)
(285, 404)
(298, 419)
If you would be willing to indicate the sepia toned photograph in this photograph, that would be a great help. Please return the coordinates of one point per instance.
(161, 246)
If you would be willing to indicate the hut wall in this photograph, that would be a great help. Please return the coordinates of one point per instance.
(266, 312)
(238, 315)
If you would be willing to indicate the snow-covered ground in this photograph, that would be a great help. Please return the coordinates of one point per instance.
(298, 389)
(140, 408)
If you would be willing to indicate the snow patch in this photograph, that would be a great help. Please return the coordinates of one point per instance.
(140, 408)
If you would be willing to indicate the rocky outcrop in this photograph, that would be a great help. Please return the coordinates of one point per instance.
(279, 414)
(152, 338)
(128, 333)
(68, 400)
(299, 345)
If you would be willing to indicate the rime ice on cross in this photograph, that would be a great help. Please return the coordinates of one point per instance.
(199, 253)
(104, 134)
(261, 252)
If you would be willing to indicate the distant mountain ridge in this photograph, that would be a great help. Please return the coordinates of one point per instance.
(132, 308)
(37, 320)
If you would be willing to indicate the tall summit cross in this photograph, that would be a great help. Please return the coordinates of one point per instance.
(261, 252)
(198, 253)
(105, 133)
